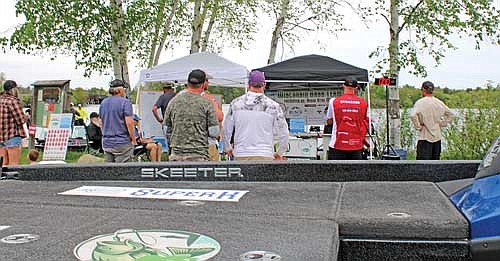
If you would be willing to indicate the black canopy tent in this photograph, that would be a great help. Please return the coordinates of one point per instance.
(303, 85)
(311, 71)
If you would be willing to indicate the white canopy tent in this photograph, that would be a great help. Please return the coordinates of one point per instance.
(223, 71)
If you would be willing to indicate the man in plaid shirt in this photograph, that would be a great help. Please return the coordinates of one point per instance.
(12, 119)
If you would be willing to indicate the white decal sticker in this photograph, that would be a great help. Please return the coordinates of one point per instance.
(158, 193)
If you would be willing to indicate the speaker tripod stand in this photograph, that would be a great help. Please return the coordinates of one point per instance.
(388, 153)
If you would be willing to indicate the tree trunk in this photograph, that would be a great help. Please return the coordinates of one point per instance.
(280, 21)
(119, 44)
(395, 118)
(213, 17)
(168, 25)
(197, 26)
(159, 19)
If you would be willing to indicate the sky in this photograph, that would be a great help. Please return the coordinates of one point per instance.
(460, 69)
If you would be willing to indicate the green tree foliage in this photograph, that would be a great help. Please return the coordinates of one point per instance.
(409, 139)
(228, 93)
(427, 26)
(477, 123)
(26, 96)
(80, 28)
(219, 23)
(472, 133)
(486, 97)
(26, 100)
(97, 91)
(408, 96)
(154, 25)
(80, 96)
(294, 18)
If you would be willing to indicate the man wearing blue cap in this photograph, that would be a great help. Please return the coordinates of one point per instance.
(254, 119)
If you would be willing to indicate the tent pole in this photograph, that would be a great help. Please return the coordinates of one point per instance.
(370, 121)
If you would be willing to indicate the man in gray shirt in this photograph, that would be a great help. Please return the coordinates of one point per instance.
(163, 100)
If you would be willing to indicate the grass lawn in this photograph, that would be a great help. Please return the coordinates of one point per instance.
(71, 156)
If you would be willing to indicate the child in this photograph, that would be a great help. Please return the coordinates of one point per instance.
(33, 156)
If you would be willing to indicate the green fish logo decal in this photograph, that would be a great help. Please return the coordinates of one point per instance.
(148, 245)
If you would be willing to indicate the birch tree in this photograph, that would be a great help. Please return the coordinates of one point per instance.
(295, 18)
(3, 78)
(218, 23)
(119, 48)
(90, 30)
(154, 25)
(426, 28)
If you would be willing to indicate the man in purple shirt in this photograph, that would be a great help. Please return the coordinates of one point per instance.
(116, 113)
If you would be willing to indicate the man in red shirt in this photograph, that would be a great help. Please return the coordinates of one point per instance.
(347, 115)
(212, 143)
(12, 119)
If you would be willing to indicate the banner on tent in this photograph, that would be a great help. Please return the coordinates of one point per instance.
(306, 104)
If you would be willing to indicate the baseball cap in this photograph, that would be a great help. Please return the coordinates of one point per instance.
(256, 78)
(117, 83)
(197, 76)
(351, 82)
(136, 117)
(9, 84)
(428, 86)
(94, 115)
(168, 85)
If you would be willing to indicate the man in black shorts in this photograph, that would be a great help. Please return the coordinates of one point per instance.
(430, 115)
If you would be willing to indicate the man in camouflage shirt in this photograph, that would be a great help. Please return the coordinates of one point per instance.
(190, 119)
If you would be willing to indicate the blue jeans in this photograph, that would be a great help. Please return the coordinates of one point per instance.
(12, 142)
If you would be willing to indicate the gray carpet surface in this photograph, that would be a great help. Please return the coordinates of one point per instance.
(296, 220)
(289, 219)
(398, 210)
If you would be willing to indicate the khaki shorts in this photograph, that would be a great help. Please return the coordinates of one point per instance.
(174, 157)
(213, 152)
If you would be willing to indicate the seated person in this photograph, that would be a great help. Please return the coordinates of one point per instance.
(94, 134)
(154, 148)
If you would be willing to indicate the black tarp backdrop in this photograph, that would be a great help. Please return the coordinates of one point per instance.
(311, 71)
